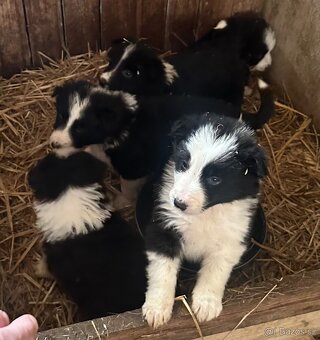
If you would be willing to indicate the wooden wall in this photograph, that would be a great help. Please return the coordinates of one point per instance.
(51, 26)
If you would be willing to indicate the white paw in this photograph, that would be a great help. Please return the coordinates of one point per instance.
(206, 306)
(157, 313)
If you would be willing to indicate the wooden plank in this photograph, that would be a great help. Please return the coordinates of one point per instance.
(210, 12)
(45, 28)
(118, 19)
(247, 5)
(181, 23)
(298, 327)
(82, 25)
(151, 21)
(14, 47)
(294, 295)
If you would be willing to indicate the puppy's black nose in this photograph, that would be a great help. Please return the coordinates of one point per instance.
(180, 204)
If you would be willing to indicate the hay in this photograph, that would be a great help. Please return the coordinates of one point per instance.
(291, 192)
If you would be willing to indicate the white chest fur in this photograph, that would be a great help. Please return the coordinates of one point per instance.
(76, 210)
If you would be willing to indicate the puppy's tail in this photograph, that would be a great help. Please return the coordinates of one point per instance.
(266, 110)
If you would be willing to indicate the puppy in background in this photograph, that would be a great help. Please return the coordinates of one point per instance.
(205, 201)
(96, 257)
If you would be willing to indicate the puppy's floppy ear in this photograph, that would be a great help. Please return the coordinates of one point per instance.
(182, 128)
(254, 159)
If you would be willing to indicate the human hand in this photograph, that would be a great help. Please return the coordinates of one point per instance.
(23, 328)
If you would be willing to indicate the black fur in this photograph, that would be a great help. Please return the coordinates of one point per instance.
(103, 271)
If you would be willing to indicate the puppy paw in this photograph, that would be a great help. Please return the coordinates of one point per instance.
(206, 306)
(157, 313)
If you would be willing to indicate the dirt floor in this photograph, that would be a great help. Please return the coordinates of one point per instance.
(291, 193)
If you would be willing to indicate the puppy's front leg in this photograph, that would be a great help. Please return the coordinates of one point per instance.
(162, 274)
(212, 279)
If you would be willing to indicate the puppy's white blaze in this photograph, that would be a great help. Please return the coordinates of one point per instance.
(73, 213)
(170, 73)
(76, 107)
(107, 75)
(221, 25)
(205, 146)
(262, 84)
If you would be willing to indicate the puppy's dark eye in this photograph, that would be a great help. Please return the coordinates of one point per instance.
(127, 73)
(213, 180)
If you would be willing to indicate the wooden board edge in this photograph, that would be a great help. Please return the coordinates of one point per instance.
(294, 295)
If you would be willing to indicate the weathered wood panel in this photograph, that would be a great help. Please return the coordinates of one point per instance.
(181, 23)
(294, 295)
(81, 25)
(51, 25)
(151, 21)
(45, 28)
(14, 47)
(118, 19)
(296, 57)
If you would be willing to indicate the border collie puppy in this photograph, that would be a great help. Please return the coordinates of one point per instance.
(206, 199)
(137, 69)
(80, 116)
(96, 257)
(246, 34)
(135, 132)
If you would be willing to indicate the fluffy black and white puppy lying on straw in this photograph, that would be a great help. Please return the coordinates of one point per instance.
(206, 199)
(97, 258)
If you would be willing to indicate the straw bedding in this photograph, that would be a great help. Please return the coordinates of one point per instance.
(291, 192)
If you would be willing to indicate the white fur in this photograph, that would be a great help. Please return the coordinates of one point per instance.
(62, 136)
(107, 75)
(170, 73)
(73, 213)
(262, 84)
(270, 41)
(221, 25)
(204, 147)
(162, 274)
(65, 152)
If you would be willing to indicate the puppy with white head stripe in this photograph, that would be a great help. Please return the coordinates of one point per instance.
(206, 199)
